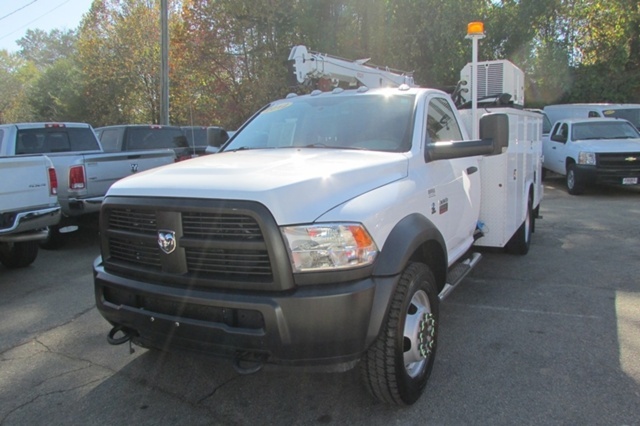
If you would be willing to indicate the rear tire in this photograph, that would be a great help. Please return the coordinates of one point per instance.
(521, 240)
(398, 364)
(18, 255)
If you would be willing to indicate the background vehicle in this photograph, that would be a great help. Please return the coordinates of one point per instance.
(324, 233)
(630, 112)
(136, 137)
(28, 205)
(84, 171)
(198, 137)
(589, 151)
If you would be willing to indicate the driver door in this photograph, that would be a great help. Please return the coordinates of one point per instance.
(454, 184)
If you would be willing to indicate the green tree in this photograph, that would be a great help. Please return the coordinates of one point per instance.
(16, 76)
(57, 93)
(44, 49)
(609, 69)
(119, 55)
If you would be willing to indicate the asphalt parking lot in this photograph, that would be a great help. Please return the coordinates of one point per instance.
(551, 338)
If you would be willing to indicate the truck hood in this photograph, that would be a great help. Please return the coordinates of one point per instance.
(296, 185)
(609, 145)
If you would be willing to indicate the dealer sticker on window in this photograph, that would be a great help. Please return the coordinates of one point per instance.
(630, 181)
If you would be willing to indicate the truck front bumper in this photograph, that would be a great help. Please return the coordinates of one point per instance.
(319, 325)
(592, 175)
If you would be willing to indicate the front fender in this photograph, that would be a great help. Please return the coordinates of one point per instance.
(412, 238)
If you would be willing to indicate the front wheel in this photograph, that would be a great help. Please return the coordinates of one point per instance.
(398, 364)
(574, 185)
(18, 255)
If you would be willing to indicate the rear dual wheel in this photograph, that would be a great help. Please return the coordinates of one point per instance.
(397, 366)
(521, 240)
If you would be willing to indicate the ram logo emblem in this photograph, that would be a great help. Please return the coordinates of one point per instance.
(167, 241)
(134, 167)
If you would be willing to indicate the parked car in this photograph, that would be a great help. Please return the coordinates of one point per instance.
(136, 137)
(85, 172)
(589, 151)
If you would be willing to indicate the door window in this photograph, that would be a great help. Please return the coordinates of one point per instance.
(441, 122)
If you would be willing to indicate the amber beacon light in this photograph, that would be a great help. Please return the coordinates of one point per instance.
(475, 28)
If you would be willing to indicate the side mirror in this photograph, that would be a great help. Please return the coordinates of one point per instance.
(559, 138)
(216, 136)
(495, 127)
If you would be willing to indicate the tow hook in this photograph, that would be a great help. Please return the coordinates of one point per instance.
(126, 335)
(244, 365)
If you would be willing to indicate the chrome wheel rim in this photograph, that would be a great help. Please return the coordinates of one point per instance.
(419, 334)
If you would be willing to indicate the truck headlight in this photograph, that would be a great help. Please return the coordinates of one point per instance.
(588, 158)
(329, 246)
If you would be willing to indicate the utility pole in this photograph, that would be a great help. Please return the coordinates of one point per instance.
(164, 66)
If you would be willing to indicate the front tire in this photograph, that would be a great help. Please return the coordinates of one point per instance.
(397, 366)
(18, 255)
(574, 185)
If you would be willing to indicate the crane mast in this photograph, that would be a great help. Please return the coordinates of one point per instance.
(309, 65)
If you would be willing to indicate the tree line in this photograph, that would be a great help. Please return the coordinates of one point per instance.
(227, 58)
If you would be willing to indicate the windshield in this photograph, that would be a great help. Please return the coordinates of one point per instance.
(600, 130)
(631, 114)
(363, 121)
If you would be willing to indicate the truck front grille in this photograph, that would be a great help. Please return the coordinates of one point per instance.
(135, 252)
(214, 246)
(624, 162)
(220, 226)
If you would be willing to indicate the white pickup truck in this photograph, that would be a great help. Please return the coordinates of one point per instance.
(84, 170)
(322, 233)
(590, 151)
(28, 205)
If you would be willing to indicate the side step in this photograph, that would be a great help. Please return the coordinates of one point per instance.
(458, 272)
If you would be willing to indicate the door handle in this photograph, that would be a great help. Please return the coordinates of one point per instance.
(471, 170)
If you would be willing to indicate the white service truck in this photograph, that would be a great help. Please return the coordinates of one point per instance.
(324, 233)
(630, 112)
(590, 151)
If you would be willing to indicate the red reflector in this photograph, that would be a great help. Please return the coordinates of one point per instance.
(53, 181)
(54, 125)
(76, 178)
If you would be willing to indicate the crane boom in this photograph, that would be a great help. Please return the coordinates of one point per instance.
(309, 65)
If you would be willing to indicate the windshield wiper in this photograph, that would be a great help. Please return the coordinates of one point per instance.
(321, 145)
